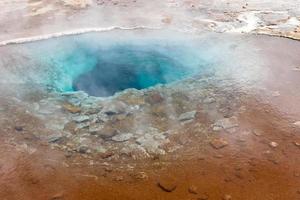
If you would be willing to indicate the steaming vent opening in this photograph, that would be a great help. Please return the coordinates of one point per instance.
(102, 65)
(122, 67)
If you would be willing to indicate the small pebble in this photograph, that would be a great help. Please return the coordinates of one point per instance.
(19, 128)
(227, 197)
(193, 189)
(218, 143)
(273, 144)
(203, 197)
(167, 185)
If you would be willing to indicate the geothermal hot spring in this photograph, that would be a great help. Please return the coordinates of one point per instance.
(123, 100)
(103, 64)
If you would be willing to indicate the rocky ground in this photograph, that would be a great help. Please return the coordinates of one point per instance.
(205, 137)
(32, 18)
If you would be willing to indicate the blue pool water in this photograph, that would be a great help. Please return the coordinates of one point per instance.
(102, 66)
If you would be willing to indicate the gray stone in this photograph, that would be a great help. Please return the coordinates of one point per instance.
(101, 149)
(209, 100)
(90, 110)
(135, 151)
(95, 128)
(107, 132)
(122, 137)
(82, 125)
(114, 108)
(83, 149)
(81, 118)
(187, 116)
(55, 138)
(151, 145)
(227, 123)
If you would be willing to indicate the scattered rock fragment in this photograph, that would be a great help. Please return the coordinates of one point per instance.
(276, 94)
(296, 69)
(219, 156)
(187, 116)
(55, 138)
(114, 108)
(119, 178)
(209, 100)
(140, 175)
(122, 137)
(257, 132)
(297, 143)
(107, 154)
(154, 98)
(19, 128)
(167, 20)
(83, 149)
(227, 197)
(297, 124)
(81, 118)
(227, 123)
(193, 189)
(71, 108)
(59, 196)
(107, 132)
(218, 143)
(202, 197)
(273, 144)
(95, 128)
(167, 184)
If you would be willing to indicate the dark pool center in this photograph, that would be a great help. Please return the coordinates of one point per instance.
(102, 65)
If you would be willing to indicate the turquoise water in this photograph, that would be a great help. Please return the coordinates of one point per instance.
(102, 66)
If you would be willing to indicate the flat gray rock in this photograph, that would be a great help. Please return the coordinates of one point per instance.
(187, 116)
(122, 137)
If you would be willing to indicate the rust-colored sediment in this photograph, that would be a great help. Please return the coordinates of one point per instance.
(249, 167)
